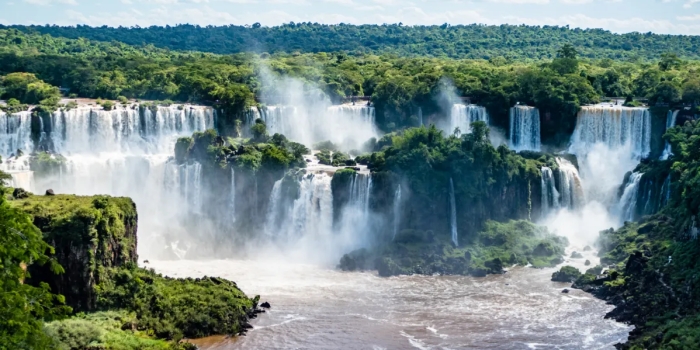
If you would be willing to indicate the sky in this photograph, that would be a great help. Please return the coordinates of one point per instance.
(620, 16)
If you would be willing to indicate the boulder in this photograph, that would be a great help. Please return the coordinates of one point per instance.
(49, 192)
(587, 263)
(576, 255)
(565, 291)
(265, 305)
(20, 193)
(568, 274)
(587, 248)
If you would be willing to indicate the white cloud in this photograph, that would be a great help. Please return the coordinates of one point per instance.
(49, 2)
(690, 3)
(538, 2)
(689, 18)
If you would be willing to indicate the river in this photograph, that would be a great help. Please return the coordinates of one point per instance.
(321, 308)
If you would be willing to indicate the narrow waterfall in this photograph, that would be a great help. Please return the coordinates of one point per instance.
(420, 116)
(310, 216)
(628, 202)
(397, 211)
(550, 195)
(525, 128)
(670, 122)
(360, 189)
(232, 196)
(666, 190)
(613, 126)
(453, 214)
(191, 185)
(462, 117)
(570, 188)
(15, 133)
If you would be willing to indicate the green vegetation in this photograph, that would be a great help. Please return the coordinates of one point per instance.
(497, 246)
(566, 274)
(398, 86)
(499, 43)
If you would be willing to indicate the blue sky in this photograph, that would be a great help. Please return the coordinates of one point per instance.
(659, 16)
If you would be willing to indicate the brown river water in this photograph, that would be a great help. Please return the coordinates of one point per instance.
(321, 308)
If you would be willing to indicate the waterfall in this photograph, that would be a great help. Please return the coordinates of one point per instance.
(310, 216)
(550, 195)
(420, 116)
(453, 214)
(670, 122)
(666, 190)
(462, 117)
(232, 196)
(15, 133)
(397, 211)
(628, 202)
(360, 188)
(524, 128)
(122, 152)
(570, 188)
(307, 125)
(613, 126)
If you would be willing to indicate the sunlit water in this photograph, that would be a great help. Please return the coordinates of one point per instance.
(322, 308)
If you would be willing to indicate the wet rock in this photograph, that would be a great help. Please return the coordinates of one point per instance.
(576, 255)
(567, 274)
(20, 193)
(145, 261)
(49, 192)
(265, 305)
(565, 291)
(587, 249)
(587, 263)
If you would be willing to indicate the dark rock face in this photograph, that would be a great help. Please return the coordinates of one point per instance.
(89, 235)
(576, 255)
(565, 291)
(20, 193)
(49, 192)
(265, 305)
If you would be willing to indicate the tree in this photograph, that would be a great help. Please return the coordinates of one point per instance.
(567, 51)
(259, 130)
(27, 88)
(24, 308)
(669, 61)
(691, 91)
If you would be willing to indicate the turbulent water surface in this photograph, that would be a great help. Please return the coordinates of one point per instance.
(320, 308)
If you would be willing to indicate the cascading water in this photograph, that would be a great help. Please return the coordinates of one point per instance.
(360, 189)
(613, 126)
(308, 125)
(670, 122)
(570, 187)
(420, 116)
(462, 117)
(550, 195)
(122, 152)
(397, 211)
(453, 214)
(232, 196)
(628, 202)
(525, 128)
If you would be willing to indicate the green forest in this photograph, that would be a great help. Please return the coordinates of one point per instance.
(511, 42)
(398, 86)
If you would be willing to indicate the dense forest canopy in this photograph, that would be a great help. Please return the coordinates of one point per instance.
(512, 42)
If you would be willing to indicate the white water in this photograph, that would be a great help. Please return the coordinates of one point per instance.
(15, 133)
(550, 195)
(525, 128)
(670, 122)
(397, 211)
(570, 187)
(614, 126)
(346, 125)
(628, 202)
(462, 116)
(122, 153)
(453, 215)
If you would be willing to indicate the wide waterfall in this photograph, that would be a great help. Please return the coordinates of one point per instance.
(340, 124)
(570, 187)
(122, 152)
(670, 122)
(628, 202)
(550, 195)
(525, 128)
(613, 126)
(397, 211)
(462, 117)
(453, 214)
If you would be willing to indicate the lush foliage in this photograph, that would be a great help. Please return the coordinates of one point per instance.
(110, 330)
(398, 86)
(26, 88)
(497, 246)
(505, 42)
